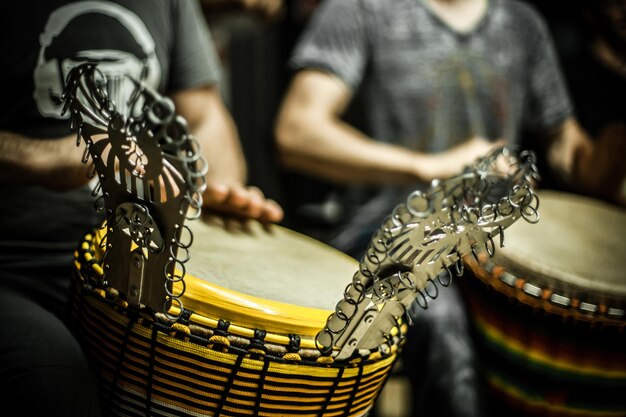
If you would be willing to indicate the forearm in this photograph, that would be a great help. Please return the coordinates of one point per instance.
(220, 146)
(594, 167)
(563, 145)
(51, 163)
(591, 167)
(212, 126)
(312, 137)
(330, 148)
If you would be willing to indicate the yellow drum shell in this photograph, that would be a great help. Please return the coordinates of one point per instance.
(256, 278)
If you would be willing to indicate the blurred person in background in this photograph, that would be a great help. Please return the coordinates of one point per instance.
(387, 96)
(590, 39)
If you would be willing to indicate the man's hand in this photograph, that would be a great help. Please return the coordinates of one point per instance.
(239, 201)
(600, 167)
(451, 162)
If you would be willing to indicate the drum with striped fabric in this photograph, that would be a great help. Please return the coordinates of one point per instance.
(255, 298)
(549, 310)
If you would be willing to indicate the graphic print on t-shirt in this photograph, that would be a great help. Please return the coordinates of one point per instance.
(69, 39)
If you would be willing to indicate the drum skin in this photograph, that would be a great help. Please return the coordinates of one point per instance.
(264, 275)
(232, 353)
(548, 311)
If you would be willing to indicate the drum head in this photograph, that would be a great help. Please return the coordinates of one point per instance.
(263, 276)
(578, 245)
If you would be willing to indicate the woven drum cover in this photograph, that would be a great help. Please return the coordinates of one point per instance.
(548, 310)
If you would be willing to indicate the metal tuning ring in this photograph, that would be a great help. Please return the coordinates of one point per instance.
(151, 175)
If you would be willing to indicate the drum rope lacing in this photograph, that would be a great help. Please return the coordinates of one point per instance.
(423, 240)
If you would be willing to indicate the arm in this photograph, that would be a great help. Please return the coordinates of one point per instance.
(595, 168)
(312, 138)
(50, 163)
(212, 126)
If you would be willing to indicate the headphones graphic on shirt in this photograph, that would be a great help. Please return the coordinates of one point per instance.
(49, 75)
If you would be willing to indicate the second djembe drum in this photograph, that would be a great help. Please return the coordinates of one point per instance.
(549, 311)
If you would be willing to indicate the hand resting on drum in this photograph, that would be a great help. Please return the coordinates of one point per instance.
(594, 167)
(602, 167)
(211, 124)
(241, 201)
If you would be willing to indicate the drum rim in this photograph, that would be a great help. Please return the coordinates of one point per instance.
(525, 265)
(251, 311)
(92, 252)
(274, 316)
(529, 292)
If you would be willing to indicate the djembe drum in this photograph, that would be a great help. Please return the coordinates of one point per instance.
(549, 312)
(258, 321)
(256, 298)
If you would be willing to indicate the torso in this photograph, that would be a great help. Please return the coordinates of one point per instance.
(427, 98)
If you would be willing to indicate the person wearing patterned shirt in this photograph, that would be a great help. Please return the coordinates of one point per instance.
(387, 96)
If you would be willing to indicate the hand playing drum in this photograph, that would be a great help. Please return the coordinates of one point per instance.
(242, 202)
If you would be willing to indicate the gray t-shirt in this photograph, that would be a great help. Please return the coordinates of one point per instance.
(419, 83)
(165, 43)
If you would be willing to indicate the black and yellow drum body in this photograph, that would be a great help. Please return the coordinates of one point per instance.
(549, 311)
(231, 353)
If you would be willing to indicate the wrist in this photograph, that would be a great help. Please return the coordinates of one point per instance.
(426, 168)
